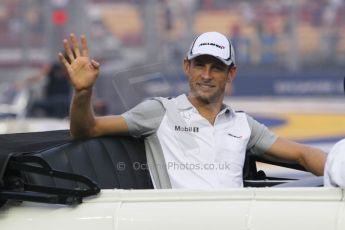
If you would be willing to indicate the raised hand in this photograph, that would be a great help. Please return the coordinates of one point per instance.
(81, 70)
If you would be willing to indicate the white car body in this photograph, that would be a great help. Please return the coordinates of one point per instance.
(246, 208)
(72, 184)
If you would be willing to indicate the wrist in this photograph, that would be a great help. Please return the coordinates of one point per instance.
(83, 92)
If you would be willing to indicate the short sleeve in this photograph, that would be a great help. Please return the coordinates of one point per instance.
(261, 138)
(145, 118)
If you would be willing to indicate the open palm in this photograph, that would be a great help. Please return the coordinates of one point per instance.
(82, 71)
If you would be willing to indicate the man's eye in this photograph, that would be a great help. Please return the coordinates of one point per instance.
(198, 64)
(218, 68)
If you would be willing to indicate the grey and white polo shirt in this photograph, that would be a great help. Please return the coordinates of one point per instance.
(185, 151)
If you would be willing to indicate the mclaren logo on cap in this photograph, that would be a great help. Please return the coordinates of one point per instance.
(212, 44)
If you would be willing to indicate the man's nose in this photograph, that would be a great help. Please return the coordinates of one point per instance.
(206, 73)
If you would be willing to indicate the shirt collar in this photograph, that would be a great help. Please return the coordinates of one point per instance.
(227, 110)
(183, 104)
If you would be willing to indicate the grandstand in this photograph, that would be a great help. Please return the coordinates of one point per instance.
(262, 30)
(124, 21)
(267, 35)
(268, 31)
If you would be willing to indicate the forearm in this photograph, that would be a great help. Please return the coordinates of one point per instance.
(313, 160)
(82, 119)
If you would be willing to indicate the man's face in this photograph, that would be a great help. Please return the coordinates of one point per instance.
(208, 77)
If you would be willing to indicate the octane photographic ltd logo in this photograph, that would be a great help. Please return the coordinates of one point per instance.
(121, 166)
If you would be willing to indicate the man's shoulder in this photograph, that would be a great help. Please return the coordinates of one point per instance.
(238, 113)
(153, 101)
(180, 102)
(148, 107)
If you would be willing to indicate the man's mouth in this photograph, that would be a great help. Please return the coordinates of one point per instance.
(205, 85)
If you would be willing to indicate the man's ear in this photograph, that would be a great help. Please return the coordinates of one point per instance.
(232, 73)
(186, 65)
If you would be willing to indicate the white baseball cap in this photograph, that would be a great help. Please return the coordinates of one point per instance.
(214, 44)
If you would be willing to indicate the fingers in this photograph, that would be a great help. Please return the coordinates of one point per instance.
(95, 64)
(68, 50)
(64, 62)
(75, 45)
(85, 49)
(72, 55)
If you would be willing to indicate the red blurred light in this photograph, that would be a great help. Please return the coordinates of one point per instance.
(59, 17)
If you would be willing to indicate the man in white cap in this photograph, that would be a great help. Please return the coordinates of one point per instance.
(194, 140)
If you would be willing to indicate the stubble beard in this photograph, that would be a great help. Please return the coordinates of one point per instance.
(205, 99)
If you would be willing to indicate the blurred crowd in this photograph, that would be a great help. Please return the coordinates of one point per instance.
(15, 16)
(264, 33)
(263, 30)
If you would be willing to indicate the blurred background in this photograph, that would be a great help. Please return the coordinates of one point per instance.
(290, 56)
